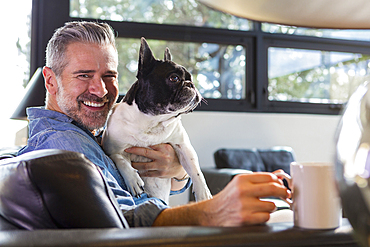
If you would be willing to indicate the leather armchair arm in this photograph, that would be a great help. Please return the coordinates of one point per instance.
(49, 189)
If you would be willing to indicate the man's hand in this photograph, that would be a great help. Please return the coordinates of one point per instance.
(164, 164)
(239, 203)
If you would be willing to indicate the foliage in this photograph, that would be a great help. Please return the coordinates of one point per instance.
(330, 83)
(188, 12)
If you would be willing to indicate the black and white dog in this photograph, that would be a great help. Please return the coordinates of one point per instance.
(149, 114)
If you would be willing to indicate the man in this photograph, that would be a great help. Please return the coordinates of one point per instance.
(82, 86)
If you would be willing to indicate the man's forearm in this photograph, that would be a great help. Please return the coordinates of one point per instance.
(212, 212)
(185, 215)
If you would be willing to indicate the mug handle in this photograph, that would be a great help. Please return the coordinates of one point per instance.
(282, 175)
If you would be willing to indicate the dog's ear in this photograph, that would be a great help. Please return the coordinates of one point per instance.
(131, 94)
(167, 55)
(146, 59)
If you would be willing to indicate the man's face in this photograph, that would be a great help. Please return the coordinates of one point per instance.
(88, 86)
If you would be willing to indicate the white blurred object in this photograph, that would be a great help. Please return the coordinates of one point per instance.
(353, 161)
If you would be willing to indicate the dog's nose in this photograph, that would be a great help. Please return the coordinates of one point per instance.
(189, 84)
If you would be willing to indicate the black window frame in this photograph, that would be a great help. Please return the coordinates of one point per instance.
(49, 15)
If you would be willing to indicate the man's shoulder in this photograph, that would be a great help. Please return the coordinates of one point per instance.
(53, 132)
(53, 128)
(67, 139)
(48, 122)
(34, 113)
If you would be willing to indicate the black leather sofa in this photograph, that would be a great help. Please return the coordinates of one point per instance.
(59, 198)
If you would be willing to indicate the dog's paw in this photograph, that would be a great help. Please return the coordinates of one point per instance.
(204, 194)
(135, 184)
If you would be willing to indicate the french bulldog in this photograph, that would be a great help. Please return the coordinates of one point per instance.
(150, 114)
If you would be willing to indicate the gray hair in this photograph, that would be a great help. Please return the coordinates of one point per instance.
(76, 31)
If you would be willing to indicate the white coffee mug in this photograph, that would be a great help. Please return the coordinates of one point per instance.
(316, 201)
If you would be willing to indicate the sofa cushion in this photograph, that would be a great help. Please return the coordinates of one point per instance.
(248, 159)
(49, 189)
(255, 160)
(277, 158)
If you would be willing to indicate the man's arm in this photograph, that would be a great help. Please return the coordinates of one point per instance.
(236, 205)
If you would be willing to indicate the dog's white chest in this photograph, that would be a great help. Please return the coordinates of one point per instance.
(127, 126)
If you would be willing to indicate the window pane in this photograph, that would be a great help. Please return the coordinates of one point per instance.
(14, 69)
(363, 35)
(182, 12)
(218, 70)
(314, 76)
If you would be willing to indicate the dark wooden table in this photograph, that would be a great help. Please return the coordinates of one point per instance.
(271, 234)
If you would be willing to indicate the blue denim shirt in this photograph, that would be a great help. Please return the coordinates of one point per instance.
(53, 130)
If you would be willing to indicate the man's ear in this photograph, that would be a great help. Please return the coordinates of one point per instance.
(50, 80)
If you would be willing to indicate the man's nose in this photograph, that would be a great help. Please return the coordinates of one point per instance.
(98, 87)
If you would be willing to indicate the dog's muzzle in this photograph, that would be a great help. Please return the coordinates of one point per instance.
(188, 84)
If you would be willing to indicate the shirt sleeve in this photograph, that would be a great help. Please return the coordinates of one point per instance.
(143, 214)
(187, 186)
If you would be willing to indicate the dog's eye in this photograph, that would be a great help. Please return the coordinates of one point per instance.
(175, 78)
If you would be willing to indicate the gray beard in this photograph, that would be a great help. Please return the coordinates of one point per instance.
(94, 120)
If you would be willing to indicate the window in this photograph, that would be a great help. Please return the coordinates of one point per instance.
(14, 69)
(299, 75)
(237, 65)
(218, 71)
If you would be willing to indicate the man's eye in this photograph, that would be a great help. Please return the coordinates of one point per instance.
(174, 78)
(110, 79)
(84, 76)
(111, 76)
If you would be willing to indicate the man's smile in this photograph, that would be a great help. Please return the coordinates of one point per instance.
(94, 104)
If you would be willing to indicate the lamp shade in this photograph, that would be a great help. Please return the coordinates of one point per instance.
(334, 14)
(34, 96)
